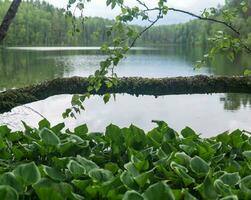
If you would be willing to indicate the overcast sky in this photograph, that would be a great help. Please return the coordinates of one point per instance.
(98, 8)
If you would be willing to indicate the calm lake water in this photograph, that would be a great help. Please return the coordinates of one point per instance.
(207, 114)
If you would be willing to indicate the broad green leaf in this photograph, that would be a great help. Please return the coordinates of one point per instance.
(101, 175)
(47, 189)
(207, 189)
(159, 191)
(127, 179)
(44, 123)
(236, 139)
(188, 196)
(231, 197)
(88, 165)
(135, 137)
(222, 188)
(199, 166)
(205, 150)
(245, 186)
(230, 179)
(182, 173)
(116, 138)
(8, 193)
(76, 169)
(48, 137)
(141, 164)
(81, 130)
(132, 169)
(132, 195)
(4, 131)
(182, 158)
(57, 128)
(247, 154)
(189, 133)
(53, 173)
(28, 173)
(82, 184)
(188, 149)
(10, 180)
(144, 178)
(155, 136)
(113, 167)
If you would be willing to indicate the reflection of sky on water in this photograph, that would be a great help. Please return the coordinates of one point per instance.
(204, 113)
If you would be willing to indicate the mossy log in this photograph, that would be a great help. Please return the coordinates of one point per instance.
(133, 85)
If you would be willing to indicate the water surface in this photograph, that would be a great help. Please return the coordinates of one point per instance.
(207, 114)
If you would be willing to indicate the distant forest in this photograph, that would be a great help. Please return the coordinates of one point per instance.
(39, 23)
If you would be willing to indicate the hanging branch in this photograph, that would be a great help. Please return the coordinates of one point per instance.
(226, 24)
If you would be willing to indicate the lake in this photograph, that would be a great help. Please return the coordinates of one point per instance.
(207, 114)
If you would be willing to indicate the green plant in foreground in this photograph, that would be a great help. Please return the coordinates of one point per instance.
(56, 163)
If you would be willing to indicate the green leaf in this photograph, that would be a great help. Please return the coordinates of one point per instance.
(28, 173)
(46, 189)
(182, 158)
(159, 191)
(245, 186)
(4, 131)
(81, 131)
(231, 197)
(127, 179)
(114, 134)
(199, 166)
(207, 189)
(222, 188)
(88, 165)
(48, 137)
(101, 175)
(53, 173)
(58, 128)
(236, 139)
(132, 195)
(188, 133)
(44, 124)
(156, 137)
(8, 193)
(144, 178)
(247, 154)
(76, 169)
(230, 179)
(10, 180)
(107, 97)
(135, 137)
(113, 167)
(188, 196)
(182, 173)
(82, 184)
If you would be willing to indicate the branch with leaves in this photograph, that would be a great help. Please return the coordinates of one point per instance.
(123, 37)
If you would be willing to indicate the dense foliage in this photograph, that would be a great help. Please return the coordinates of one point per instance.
(39, 23)
(54, 163)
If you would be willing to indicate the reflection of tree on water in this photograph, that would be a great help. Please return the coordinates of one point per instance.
(19, 69)
(234, 102)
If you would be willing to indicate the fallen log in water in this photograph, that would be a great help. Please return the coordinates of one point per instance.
(132, 85)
